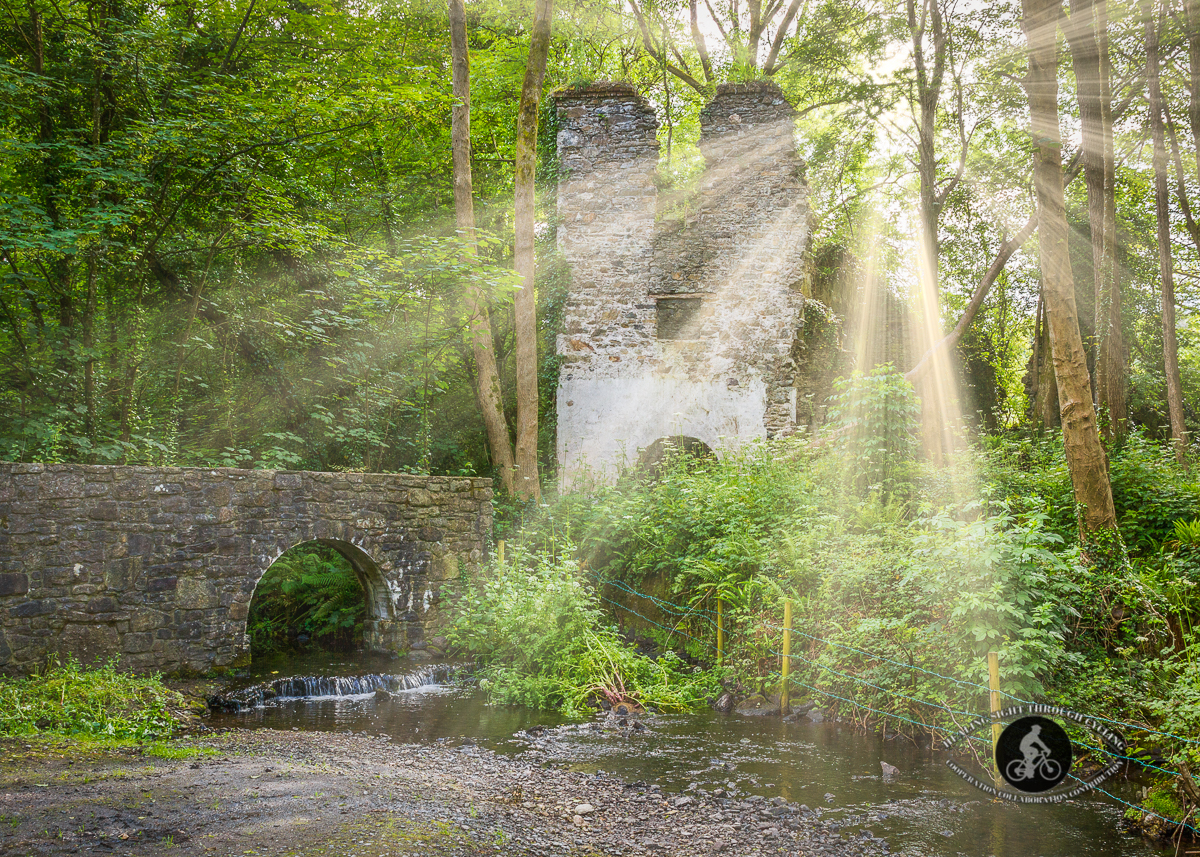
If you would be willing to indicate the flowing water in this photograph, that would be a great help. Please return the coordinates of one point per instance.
(924, 810)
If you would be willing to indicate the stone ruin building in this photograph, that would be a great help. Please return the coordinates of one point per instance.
(685, 316)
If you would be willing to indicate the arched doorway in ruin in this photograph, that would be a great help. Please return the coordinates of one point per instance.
(653, 457)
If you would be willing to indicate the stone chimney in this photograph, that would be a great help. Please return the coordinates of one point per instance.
(608, 152)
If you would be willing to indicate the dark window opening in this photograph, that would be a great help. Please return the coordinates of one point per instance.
(678, 318)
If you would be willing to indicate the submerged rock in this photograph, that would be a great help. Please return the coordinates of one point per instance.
(724, 703)
(756, 706)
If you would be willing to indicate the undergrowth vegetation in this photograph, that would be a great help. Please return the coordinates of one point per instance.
(536, 626)
(67, 699)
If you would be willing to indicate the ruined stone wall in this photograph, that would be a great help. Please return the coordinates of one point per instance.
(725, 268)
(158, 565)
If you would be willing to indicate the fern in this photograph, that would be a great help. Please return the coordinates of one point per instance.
(311, 590)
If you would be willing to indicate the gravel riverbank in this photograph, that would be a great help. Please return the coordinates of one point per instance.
(306, 793)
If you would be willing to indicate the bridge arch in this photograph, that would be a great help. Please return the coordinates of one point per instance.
(382, 632)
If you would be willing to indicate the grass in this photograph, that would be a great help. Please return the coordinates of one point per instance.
(67, 699)
(175, 751)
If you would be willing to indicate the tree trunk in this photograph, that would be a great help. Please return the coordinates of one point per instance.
(1044, 394)
(479, 326)
(930, 72)
(524, 303)
(929, 86)
(1113, 363)
(1088, 38)
(1163, 216)
(1192, 27)
(1081, 438)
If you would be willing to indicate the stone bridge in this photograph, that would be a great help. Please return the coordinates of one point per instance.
(158, 564)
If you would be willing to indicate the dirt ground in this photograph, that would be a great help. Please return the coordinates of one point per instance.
(305, 793)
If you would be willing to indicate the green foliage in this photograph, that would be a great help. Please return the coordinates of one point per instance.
(68, 699)
(1161, 800)
(536, 628)
(936, 595)
(1150, 490)
(876, 414)
(892, 594)
(310, 590)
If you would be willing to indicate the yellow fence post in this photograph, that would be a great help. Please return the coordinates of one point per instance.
(785, 702)
(993, 660)
(500, 550)
(720, 631)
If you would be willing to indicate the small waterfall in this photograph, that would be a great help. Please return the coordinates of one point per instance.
(326, 687)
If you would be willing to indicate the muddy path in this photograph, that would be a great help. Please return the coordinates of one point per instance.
(296, 793)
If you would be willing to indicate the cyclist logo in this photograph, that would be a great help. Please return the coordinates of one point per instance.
(1033, 754)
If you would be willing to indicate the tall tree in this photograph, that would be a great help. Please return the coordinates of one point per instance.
(1081, 437)
(479, 324)
(1163, 218)
(1087, 34)
(930, 36)
(528, 485)
(928, 25)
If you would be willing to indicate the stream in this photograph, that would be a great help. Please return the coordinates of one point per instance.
(926, 809)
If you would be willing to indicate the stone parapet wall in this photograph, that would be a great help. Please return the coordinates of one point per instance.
(733, 256)
(158, 565)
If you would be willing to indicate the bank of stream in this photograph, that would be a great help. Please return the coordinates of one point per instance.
(825, 769)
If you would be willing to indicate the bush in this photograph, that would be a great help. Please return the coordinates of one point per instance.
(930, 598)
(899, 590)
(537, 630)
(876, 417)
(70, 700)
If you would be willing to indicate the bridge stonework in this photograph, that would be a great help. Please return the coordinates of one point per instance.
(158, 565)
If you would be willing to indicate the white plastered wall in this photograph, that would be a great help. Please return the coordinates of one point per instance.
(603, 423)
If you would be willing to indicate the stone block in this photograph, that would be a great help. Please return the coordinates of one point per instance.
(102, 604)
(129, 486)
(32, 608)
(91, 644)
(106, 510)
(162, 583)
(195, 594)
(288, 481)
(147, 619)
(134, 643)
(14, 584)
